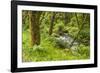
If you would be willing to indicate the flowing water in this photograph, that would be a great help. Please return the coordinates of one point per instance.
(66, 41)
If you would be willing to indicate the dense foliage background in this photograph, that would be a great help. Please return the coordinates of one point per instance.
(53, 36)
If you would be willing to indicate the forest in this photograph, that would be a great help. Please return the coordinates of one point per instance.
(55, 36)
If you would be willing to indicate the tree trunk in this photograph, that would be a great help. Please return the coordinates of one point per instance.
(66, 18)
(77, 20)
(52, 23)
(78, 32)
(34, 27)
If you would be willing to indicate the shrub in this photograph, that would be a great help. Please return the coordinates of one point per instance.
(84, 51)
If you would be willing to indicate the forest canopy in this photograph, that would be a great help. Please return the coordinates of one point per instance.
(54, 36)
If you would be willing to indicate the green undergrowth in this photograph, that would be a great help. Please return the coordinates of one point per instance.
(48, 50)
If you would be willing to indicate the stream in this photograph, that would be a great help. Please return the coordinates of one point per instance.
(65, 41)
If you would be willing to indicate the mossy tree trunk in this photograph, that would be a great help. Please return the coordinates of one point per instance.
(34, 27)
(52, 23)
(66, 18)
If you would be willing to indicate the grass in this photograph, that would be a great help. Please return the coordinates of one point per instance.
(48, 50)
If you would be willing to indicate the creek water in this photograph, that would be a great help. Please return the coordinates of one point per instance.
(66, 40)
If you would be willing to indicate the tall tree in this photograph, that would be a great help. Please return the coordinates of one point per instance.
(77, 20)
(34, 17)
(78, 32)
(52, 23)
(66, 18)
